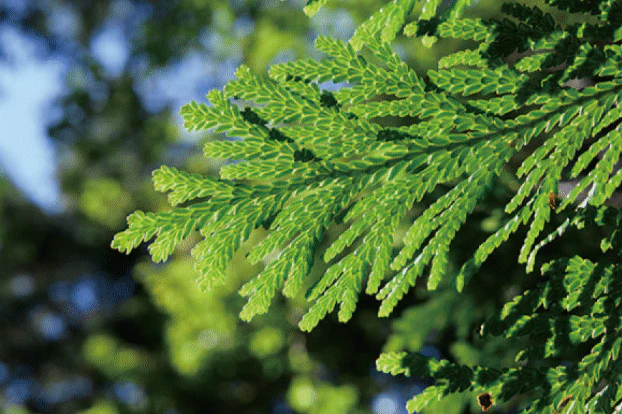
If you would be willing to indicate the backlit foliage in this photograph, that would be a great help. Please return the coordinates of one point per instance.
(303, 159)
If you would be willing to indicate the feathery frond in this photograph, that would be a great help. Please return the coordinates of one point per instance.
(306, 158)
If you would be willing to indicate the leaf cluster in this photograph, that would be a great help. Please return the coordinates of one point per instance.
(302, 160)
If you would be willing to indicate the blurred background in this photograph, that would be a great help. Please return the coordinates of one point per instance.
(89, 99)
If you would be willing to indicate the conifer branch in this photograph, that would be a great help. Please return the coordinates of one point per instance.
(308, 159)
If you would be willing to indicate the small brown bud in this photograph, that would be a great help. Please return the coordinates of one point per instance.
(485, 401)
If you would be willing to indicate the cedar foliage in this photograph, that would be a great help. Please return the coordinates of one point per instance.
(309, 159)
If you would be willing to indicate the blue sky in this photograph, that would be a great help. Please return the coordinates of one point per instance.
(29, 84)
(27, 87)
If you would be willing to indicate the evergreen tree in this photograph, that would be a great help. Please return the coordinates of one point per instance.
(303, 160)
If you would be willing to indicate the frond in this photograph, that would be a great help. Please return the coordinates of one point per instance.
(306, 158)
(300, 160)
